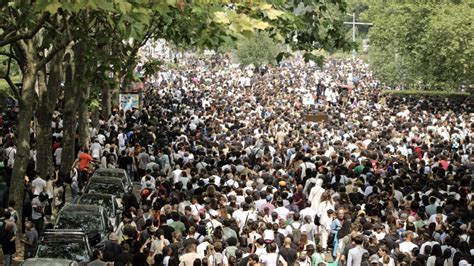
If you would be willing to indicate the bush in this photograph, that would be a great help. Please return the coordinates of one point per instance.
(422, 93)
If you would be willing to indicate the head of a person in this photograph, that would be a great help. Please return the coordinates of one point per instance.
(97, 255)
(253, 259)
(271, 248)
(340, 214)
(358, 240)
(408, 236)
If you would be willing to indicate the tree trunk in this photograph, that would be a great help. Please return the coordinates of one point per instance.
(106, 101)
(115, 91)
(69, 121)
(83, 115)
(48, 95)
(44, 141)
(26, 105)
(95, 117)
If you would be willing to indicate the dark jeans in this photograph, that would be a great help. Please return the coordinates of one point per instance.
(7, 259)
(39, 225)
(29, 254)
(141, 173)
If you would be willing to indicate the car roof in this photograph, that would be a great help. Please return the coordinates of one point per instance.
(105, 179)
(81, 208)
(49, 262)
(63, 236)
(96, 195)
(53, 232)
(110, 170)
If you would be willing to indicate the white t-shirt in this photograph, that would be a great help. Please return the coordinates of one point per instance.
(122, 137)
(57, 155)
(407, 247)
(38, 185)
(271, 259)
(95, 150)
(282, 212)
(9, 154)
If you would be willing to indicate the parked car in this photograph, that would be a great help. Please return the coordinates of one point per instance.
(48, 262)
(109, 202)
(91, 219)
(105, 185)
(58, 245)
(114, 172)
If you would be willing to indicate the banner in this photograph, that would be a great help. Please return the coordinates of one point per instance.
(316, 117)
(129, 101)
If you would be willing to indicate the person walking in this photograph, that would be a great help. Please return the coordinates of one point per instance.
(31, 239)
(8, 244)
(354, 257)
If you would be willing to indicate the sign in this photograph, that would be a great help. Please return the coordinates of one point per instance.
(316, 117)
(129, 101)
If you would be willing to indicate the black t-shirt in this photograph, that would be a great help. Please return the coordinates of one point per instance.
(168, 232)
(140, 259)
(190, 241)
(124, 259)
(289, 254)
(124, 161)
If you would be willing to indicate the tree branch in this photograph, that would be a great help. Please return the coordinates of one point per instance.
(7, 78)
(6, 39)
(59, 47)
(10, 55)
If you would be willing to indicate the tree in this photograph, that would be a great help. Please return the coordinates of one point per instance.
(257, 50)
(102, 38)
(423, 43)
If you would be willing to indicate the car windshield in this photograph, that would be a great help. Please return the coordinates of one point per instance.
(112, 174)
(106, 188)
(105, 202)
(63, 249)
(79, 220)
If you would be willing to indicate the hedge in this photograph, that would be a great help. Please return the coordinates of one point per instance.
(422, 93)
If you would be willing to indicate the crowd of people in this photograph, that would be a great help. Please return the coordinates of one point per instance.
(234, 169)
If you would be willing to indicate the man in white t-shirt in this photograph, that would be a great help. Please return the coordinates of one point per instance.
(96, 149)
(282, 211)
(122, 140)
(57, 155)
(38, 185)
(272, 258)
(407, 246)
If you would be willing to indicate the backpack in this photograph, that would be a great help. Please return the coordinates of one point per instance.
(296, 233)
(253, 155)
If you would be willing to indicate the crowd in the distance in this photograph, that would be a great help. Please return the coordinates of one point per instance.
(233, 172)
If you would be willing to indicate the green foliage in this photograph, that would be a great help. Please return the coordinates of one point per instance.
(422, 42)
(107, 34)
(151, 67)
(420, 93)
(257, 50)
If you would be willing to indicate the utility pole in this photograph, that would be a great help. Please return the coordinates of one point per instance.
(354, 23)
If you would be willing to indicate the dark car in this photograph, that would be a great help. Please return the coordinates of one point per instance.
(109, 202)
(48, 262)
(91, 219)
(114, 172)
(64, 244)
(105, 185)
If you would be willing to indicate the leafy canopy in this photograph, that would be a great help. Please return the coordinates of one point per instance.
(427, 43)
